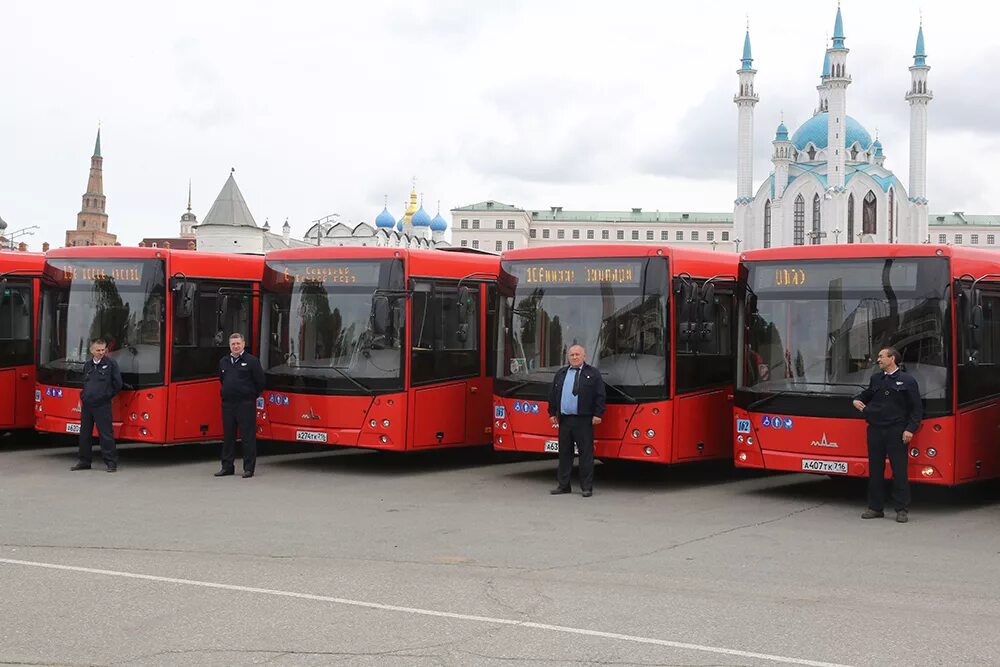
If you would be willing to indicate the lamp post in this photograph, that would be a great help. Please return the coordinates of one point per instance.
(17, 233)
(737, 242)
(714, 243)
(836, 235)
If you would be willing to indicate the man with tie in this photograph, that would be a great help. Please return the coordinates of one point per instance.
(576, 405)
(101, 381)
(242, 379)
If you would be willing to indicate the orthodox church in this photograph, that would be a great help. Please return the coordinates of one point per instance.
(829, 182)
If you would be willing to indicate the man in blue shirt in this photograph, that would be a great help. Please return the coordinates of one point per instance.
(892, 407)
(576, 405)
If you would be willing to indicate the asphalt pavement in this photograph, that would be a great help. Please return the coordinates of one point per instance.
(462, 557)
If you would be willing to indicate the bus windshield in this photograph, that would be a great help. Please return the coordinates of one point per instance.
(615, 308)
(816, 326)
(121, 301)
(318, 327)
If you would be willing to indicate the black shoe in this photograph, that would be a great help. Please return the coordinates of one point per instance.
(872, 514)
(559, 490)
(112, 468)
(902, 516)
(247, 473)
(224, 473)
(81, 466)
(588, 493)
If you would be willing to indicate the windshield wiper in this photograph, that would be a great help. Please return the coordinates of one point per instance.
(785, 392)
(628, 397)
(510, 390)
(366, 389)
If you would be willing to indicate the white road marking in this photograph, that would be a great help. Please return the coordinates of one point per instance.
(431, 612)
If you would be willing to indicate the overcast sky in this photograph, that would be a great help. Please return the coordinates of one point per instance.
(326, 107)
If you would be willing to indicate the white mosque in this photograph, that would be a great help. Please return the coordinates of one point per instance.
(824, 190)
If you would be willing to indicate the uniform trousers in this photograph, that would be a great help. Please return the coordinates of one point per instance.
(578, 430)
(99, 415)
(241, 415)
(887, 441)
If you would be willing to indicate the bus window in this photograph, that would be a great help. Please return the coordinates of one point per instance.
(444, 340)
(201, 332)
(977, 369)
(15, 326)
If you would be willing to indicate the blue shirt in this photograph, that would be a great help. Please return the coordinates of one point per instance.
(569, 402)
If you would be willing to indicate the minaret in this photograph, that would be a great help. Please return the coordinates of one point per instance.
(781, 158)
(188, 219)
(837, 84)
(92, 220)
(822, 88)
(918, 97)
(745, 100)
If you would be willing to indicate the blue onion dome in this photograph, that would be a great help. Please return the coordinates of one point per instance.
(877, 146)
(438, 224)
(781, 134)
(399, 225)
(815, 129)
(385, 219)
(421, 218)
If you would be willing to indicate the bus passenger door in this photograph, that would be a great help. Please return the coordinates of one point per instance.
(445, 364)
(203, 318)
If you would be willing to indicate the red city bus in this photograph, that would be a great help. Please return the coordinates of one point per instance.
(19, 278)
(382, 348)
(812, 321)
(657, 322)
(167, 316)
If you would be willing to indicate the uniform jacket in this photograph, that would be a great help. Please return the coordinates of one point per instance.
(892, 400)
(101, 381)
(242, 381)
(589, 391)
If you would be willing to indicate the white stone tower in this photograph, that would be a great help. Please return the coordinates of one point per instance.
(835, 209)
(918, 97)
(745, 101)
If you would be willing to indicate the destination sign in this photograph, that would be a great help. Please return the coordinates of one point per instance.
(326, 273)
(120, 273)
(825, 275)
(582, 272)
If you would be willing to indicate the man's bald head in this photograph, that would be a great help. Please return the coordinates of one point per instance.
(576, 355)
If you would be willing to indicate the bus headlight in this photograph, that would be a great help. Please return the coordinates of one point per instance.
(650, 433)
(914, 452)
(373, 423)
(739, 438)
(931, 452)
(145, 416)
(384, 439)
(385, 423)
(635, 433)
(742, 456)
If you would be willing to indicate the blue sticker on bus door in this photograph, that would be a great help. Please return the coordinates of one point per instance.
(742, 425)
(776, 423)
(260, 403)
(765, 421)
(788, 423)
(517, 406)
(499, 412)
(534, 408)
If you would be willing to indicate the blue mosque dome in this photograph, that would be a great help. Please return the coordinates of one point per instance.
(421, 218)
(814, 130)
(878, 148)
(438, 224)
(385, 219)
(781, 134)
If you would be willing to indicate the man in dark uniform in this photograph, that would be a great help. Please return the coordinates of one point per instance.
(101, 381)
(242, 381)
(576, 405)
(891, 405)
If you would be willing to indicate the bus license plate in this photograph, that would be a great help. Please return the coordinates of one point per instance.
(552, 446)
(310, 436)
(72, 428)
(837, 467)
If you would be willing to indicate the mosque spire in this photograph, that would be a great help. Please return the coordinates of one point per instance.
(838, 30)
(919, 54)
(747, 57)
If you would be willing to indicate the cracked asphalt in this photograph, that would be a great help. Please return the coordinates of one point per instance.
(698, 558)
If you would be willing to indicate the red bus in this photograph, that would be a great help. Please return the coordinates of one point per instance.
(657, 322)
(19, 278)
(382, 348)
(812, 321)
(166, 315)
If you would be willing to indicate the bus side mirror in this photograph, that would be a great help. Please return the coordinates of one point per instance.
(221, 308)
(3, 288)
(706, 303)
(381, 317)
(184, 302)
(464, 298)
(686, 293)
(976, 327)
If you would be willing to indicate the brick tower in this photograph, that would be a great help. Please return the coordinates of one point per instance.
(92, 221)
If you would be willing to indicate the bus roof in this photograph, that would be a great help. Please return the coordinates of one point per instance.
(23, 263)
(420, 261)
(693, 261)
(192, 263)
